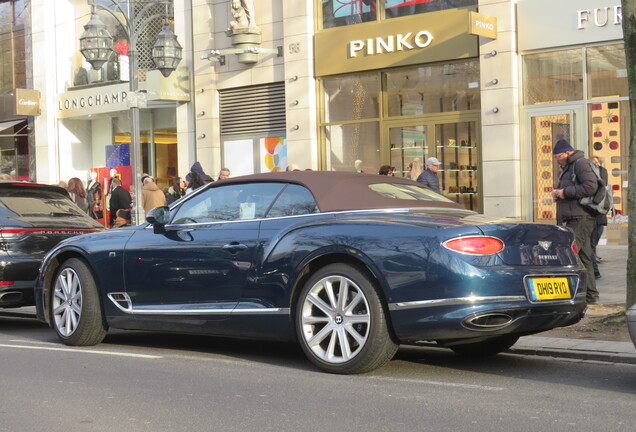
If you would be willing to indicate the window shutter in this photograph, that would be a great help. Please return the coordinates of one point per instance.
(257, 111)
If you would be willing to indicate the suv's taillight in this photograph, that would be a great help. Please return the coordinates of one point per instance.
(475, 245)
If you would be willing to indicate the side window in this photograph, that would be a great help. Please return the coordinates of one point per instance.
(228, 203)
(294, 200)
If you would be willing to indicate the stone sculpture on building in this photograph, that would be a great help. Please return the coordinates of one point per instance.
(243, 17)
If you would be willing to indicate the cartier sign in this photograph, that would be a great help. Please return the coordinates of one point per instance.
(19, 103)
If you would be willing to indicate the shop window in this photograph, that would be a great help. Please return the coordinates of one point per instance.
(353, 147)
(553, 77)
(433, 89)
(352, 97)
(609, 140)
(456, 147)
(337, 13)
(398, 8)
(546, 131)
(607, 72)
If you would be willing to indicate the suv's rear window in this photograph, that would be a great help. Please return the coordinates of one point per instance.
(34, 203)
(407, 192)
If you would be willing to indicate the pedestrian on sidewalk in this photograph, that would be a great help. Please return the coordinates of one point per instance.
(601, 221)
(570, 212)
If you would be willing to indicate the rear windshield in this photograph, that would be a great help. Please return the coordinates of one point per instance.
(34, 203)
(407, 192)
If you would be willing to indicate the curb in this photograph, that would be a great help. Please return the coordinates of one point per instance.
(607, 357)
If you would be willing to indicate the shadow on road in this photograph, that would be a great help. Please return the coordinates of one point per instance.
(410, 361)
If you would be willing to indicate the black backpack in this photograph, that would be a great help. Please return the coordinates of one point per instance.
(602, 201)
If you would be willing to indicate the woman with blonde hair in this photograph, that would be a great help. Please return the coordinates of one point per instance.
(415, 169)
(78, 193)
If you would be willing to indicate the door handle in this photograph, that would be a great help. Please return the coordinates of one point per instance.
(235, 246)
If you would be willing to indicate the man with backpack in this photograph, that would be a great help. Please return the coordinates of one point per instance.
(576, 181)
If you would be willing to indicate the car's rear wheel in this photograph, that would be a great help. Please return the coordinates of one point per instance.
(486, 348)
(75, 309)
(341, 322)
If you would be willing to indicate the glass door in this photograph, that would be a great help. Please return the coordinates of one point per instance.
(456, 147)
(408, 149)
(545, 130)
(453, 139)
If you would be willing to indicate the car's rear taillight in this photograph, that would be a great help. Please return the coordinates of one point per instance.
(12, 234)
(475, 245)
(575, 248)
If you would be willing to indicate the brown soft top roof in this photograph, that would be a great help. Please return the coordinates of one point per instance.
(334, 190)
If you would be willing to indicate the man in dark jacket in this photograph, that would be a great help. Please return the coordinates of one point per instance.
(119, 199)
(429, 177)
(570, 213)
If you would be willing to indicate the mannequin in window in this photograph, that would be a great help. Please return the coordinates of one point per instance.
(94, 197)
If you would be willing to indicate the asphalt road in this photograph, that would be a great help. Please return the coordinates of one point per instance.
(155, 382)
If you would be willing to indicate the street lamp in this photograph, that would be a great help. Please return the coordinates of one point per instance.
(96, 45)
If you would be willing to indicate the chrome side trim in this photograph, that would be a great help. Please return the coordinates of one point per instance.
(124, 304)
(121, 300)
(455, 301)
(264, 311)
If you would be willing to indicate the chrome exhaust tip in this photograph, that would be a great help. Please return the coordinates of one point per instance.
(488, 321)
(11, 297)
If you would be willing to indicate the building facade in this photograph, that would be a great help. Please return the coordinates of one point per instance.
(19, 102)
(485, 86)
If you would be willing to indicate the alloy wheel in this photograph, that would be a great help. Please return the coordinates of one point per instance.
(67, 302)
(335, 319)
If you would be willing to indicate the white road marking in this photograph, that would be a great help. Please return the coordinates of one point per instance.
(83, 351)
(440, 383)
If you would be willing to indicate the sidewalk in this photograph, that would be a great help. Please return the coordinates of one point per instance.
(612, 290)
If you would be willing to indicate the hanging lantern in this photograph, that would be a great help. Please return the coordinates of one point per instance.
(167, 52)
(96, 45)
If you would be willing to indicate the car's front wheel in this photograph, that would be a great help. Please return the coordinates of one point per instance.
(341, 323)
(75, 309)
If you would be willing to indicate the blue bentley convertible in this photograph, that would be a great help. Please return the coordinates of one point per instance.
(348, 265)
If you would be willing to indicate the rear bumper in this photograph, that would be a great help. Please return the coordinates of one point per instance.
(483, 318)
(22, 272)
(17, 295)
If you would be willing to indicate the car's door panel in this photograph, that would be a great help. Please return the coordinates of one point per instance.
(189, 271)
(199, 266)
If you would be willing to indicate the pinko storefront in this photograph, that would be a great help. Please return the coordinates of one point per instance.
(399, 87)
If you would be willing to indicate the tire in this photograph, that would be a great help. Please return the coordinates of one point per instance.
(486, 348)
(76, 314)
(343, 332)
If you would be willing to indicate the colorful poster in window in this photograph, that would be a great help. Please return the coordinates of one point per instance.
(344, 8)
(400, 3)
(117, 155)
(273, 153)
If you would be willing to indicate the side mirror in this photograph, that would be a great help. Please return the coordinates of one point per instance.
(158, 218)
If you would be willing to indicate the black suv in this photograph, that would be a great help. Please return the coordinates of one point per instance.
(33, 219)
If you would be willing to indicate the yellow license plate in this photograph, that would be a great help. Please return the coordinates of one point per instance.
(550, 288)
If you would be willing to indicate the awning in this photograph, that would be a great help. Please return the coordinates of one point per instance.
(9, 124)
